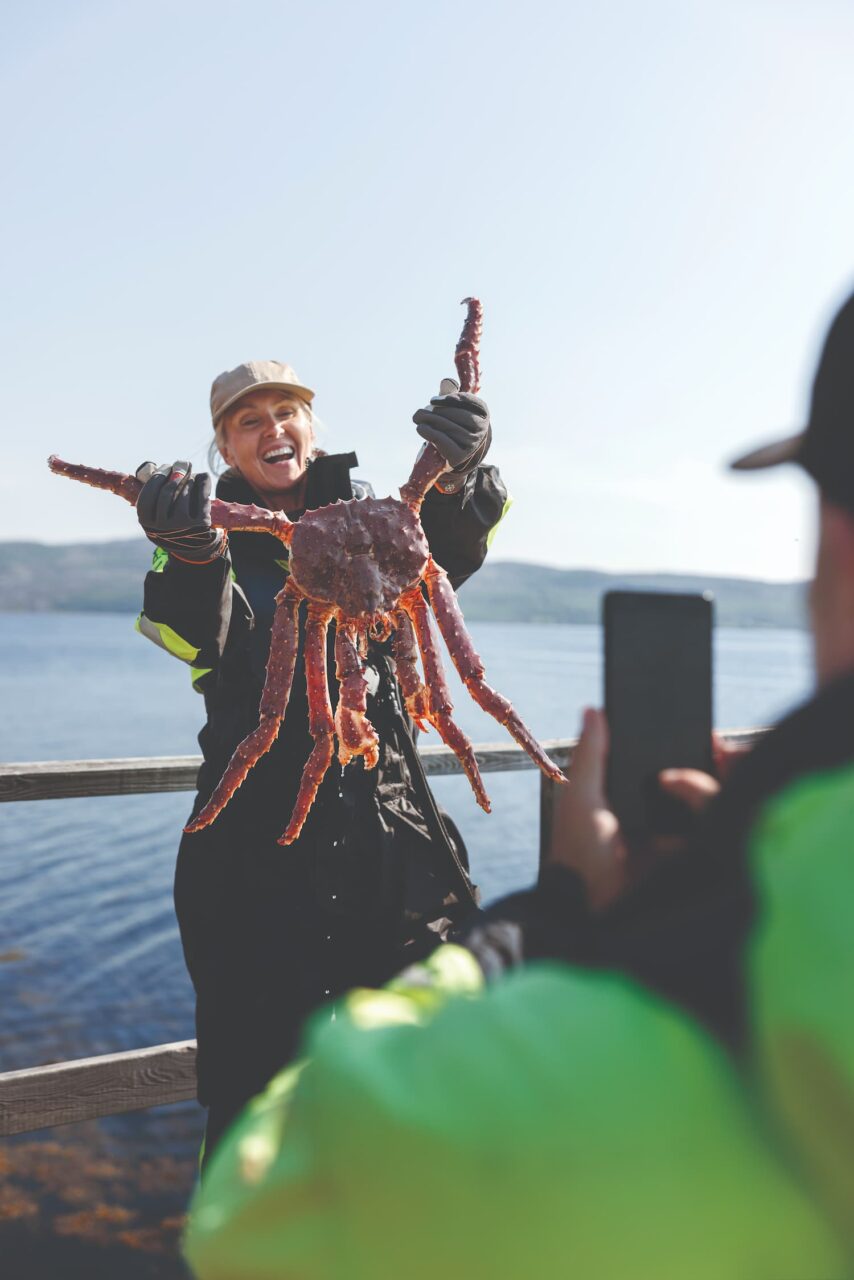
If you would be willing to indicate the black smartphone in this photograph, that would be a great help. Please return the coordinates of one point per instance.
(658, 700)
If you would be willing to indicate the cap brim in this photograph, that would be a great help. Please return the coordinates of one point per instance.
(771, 455)
(301, 393)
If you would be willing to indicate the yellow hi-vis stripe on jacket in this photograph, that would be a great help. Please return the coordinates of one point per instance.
(167, 639)
(507, 505)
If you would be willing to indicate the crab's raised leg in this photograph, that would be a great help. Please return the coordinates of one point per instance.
(430, 463)
(356, 735)
(274, 702)
(468, 662)
(321, 725)
(467, 354)
(440, 705)
(405, 650)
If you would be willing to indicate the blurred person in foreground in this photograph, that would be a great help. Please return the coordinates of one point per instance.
(613, 1077)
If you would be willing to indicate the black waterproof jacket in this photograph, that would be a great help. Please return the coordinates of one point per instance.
(378, 872)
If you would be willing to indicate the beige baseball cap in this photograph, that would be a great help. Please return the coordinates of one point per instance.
(230, 386)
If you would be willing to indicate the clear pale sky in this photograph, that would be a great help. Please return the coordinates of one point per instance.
(654, 201)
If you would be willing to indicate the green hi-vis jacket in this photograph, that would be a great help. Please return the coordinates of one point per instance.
(571, 1120)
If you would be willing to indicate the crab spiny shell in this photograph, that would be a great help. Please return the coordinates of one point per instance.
(358, 556)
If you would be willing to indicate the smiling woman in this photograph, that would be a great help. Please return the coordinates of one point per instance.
(378, 872)
(267, 433)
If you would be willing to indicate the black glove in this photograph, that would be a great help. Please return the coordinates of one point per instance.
(458, 425)
(174, 509)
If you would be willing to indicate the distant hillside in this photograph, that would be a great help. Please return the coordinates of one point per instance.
(101, 577)
(107, 577)
(508, 591)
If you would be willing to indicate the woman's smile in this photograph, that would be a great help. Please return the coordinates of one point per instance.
(282, 459)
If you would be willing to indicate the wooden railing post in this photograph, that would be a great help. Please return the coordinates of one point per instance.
(547, 799)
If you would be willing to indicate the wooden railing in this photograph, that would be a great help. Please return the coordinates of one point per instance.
(67, 1092)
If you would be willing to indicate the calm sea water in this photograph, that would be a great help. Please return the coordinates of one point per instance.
(91, 961)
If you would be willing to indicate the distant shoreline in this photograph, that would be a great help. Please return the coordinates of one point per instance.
(107, 578)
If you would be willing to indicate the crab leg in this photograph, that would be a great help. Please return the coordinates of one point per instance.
(440, 705)
(356, 735)
(468, 662)
(247, 518)
(430, 464)
(117, 482)
(405, 651)
(467, 354)
(274, 702)
(321, 724)
(428, 467)
(224, 515)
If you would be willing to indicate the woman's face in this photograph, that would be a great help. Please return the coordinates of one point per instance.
(268, 438)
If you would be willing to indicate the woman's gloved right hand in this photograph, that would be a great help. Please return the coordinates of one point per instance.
(174, 509)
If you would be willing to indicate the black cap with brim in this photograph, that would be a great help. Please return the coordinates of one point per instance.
(825, 450)
(771, 455)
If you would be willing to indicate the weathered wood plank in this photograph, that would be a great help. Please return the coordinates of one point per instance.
(64, 779)
(67, 1092)
(493, 757)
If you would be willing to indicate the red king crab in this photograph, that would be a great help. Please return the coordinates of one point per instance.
(360, 564)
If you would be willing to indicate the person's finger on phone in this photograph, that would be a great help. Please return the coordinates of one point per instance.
(692, 786)
(590, 759)
(577, 798)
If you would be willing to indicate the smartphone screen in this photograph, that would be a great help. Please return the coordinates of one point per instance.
(658, 700)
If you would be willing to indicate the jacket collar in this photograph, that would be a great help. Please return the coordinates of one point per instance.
(328, 480)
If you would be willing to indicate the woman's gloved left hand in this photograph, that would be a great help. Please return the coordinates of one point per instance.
(174, 509)
(457, 423)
